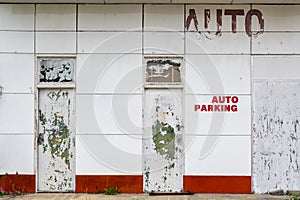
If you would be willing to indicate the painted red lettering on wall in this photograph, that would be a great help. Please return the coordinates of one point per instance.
(219, 104)
(234, 13)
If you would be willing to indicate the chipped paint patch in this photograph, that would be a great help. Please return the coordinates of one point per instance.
(164, 139)
(163, 70)
(56, 70)
(276, 136)
(163, 143)
(56, 141)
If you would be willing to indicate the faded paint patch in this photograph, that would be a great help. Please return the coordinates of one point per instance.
(56, 141)
(276, 136)
(234, 13)
(163, 70)
(163, 143)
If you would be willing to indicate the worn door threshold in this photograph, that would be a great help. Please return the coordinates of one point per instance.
(170, 193)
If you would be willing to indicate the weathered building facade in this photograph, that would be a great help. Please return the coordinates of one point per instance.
(198, 96)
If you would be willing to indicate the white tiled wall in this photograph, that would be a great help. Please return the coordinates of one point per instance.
(110, 17)
(106, 73)
(17, 114)
(51, 17)
(276, 67)
(280, 17)
(17, 154)
(109, 42)
(109, 114)
(16, 73)
(102, 154)
(208, 43)
(16, 17)
(16, 42)
(164, 17)
(217, 74)
(162, 43)
(218, 155)
(56, 42)
(277, 43)
(17, 79)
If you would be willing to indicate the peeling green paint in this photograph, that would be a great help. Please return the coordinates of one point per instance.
(56, 140)
(59, 141)
(163, 138)
(163, 151)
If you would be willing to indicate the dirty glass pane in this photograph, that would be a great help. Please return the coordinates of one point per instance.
(163, 71)
(56, 70)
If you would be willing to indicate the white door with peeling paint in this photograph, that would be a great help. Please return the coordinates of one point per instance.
(163, 141)
(56, 141)
(163, 126)
(56, 125)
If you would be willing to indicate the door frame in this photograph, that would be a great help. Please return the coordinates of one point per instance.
(161, 86)
(53, 85)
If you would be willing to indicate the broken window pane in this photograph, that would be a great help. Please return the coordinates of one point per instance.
(56, 70)
(163, 70)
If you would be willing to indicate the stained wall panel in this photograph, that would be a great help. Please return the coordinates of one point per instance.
(276, 136)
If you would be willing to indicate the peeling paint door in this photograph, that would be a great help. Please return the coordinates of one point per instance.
(163, 140)
(56, 141)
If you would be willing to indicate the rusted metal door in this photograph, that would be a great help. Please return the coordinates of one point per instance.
(56, 140)
(163, 141)
(56, 125)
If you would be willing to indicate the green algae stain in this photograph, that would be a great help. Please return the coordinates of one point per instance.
(164, 139)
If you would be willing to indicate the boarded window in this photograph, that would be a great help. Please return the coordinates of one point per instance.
(163, 70)
(56, 70)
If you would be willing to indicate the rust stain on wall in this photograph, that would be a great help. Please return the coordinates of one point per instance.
(276, 136)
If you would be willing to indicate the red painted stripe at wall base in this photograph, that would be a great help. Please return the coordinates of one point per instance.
(97, 183)
(17, 183)
(218, 184)
(132, 183)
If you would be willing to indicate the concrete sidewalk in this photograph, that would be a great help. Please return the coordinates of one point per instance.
(61, 196)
